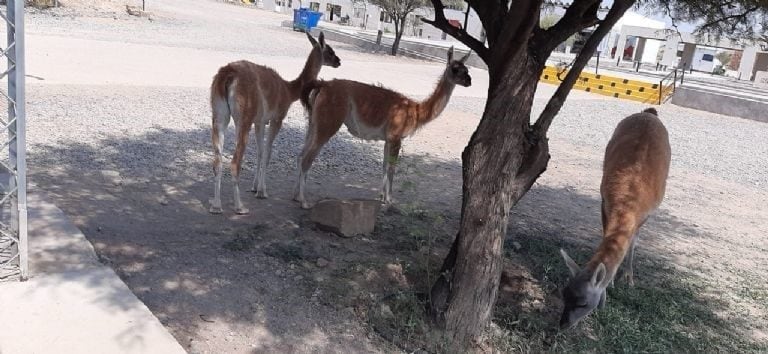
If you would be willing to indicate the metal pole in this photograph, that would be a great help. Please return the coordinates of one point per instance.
(21, 136)
(682, 75)
(661, 89)
(597, 62)
(16, 131)
(674, 80)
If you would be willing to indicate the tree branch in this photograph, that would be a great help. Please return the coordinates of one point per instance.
(556, 102)
(580, 15)
(440, 22)
(737, 16)
(515, 17)
(519, 24)
(490, 12)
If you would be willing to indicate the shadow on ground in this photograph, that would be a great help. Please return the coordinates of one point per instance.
(672, 308)
(270, 281)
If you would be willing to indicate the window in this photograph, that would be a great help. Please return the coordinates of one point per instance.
(384, 17)
(314, 6)
(334, 9)
(707, 57)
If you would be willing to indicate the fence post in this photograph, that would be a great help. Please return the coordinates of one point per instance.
(682, 76)
(661, 89)
(597, 63)
(674, 82)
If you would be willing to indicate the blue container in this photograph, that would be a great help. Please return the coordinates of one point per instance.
(299, 23)
(296, 17)
(305, 20)
(313, 18)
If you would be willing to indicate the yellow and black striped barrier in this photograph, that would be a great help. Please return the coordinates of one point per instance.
(612, 86)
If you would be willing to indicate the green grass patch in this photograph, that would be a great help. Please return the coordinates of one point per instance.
(666, 312)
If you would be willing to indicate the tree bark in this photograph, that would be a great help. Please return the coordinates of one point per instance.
(500, 163)
(399, 27)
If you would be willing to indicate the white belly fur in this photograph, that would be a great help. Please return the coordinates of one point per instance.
(361, 130)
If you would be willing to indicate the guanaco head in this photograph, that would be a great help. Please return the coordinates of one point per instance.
(584, 293)
(329, 56)
(456, 71)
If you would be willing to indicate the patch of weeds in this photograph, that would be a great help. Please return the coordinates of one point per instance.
(749, 286)
(245, 240)
(345, 286)
(400, 318)
(409, 172)
(544, 260)
(289, 252)
(666, 312)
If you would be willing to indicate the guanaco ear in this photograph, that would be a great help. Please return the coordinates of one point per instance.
(450, 55)
(464, 58)
(321, 38)
(572, 266)
(312, 40)
(599, 275)
(603, 297)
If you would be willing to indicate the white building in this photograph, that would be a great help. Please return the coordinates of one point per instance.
(632, 48)
(754, 60)
(634, 38)
(370, 17)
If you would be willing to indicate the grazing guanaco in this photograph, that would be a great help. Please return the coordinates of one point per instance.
(372, 113)
(255, 95)
(634, 180)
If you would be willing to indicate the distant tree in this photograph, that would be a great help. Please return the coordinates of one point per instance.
(399, 10)
(508, 150)
(724, 58)
(456, 4)
(41, 4)
(735, 61)
(548, 20)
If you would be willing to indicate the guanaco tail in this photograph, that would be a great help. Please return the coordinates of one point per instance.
(255, 95)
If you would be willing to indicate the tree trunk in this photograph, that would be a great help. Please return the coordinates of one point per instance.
(500, 163)
(399, 27)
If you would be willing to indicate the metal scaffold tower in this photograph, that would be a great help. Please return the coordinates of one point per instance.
(13, 177)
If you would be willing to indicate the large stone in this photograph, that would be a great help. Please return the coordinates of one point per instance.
(346, 218)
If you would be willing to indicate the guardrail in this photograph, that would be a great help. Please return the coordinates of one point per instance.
(619, 87)
(668, 84)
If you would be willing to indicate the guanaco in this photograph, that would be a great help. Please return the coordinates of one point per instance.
(635, 172)
(255, 95)
(372, 113)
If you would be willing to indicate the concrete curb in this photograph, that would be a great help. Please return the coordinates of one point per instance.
(72, 303)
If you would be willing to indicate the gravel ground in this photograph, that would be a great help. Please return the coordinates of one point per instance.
(142, 152)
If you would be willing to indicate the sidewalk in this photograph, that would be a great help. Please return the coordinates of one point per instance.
(72, 303)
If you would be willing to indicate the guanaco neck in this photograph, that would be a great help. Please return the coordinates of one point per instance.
(619, 229)
(308, 74)
(431, 107)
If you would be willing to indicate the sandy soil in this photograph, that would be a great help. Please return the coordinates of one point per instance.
(119, 139)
